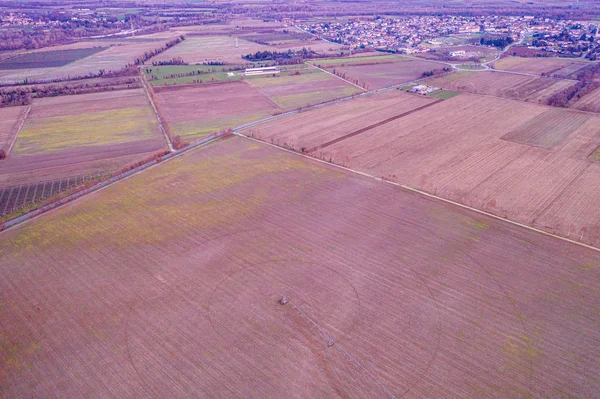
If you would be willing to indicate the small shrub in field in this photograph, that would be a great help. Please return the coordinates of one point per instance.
(2, 154)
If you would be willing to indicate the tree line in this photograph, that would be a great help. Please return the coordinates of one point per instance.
(585, 84)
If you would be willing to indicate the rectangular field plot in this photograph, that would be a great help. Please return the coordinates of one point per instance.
(517, 87)
(196, 50)
(48, 59)
(548, 129)
(379, 71)
(195, 111)
(57, 126)
(459, 149)
(178, 272)
(168, 75)
(547, 66)
(114, 58)
(335, 121)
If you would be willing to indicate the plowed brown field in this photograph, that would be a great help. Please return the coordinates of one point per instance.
(550, 66)
(167, 285)
(517, 87)
(457, 149)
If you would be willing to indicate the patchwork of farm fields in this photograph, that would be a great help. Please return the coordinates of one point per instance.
(198, 110)
(517, 87)
(227, 49)
(378, 71)
(194, 111)
(167, 285)
(48, 59)
(525, 162)
(78, 60)
(303, 87)
(74, 136)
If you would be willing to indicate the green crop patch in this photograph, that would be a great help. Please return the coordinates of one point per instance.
(90, 129)
(48, 59)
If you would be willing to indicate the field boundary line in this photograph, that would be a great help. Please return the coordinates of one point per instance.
(373, 126)
(156, 113)
(34, 214)
(339, 77)
(21, 123)
(426, 194)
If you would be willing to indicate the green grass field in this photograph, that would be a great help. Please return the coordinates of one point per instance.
(288, 78)
(471, 67)
(325, 62)
(48, 59)
(90, 129)
(443, 94)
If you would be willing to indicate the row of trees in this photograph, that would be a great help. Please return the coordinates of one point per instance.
(172, 61)
(436, 72)
(283, 57)
(586, 83)
(149, 54)
(23, 95)
(499, 42)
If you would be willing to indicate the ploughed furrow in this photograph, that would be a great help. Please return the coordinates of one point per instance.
(373, 126)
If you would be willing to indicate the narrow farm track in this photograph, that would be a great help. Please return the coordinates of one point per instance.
(339, 77)
(430, 195)
(381, 123)
(18, 127)
(161, 125)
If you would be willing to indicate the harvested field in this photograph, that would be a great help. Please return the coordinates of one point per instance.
(48, 59)
(70, 136)
(381, 71)
(211, 49)
(10, 121)
(564, 68)
(517, 87)
(332, 122)
(548, 129)
(589, 102)
(388, 291)
(195, 111)
(455, 149)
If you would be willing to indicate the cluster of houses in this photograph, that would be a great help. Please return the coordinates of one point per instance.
(418, 34)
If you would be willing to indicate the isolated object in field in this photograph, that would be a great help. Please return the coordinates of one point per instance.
(423, 89)
(284, 300)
